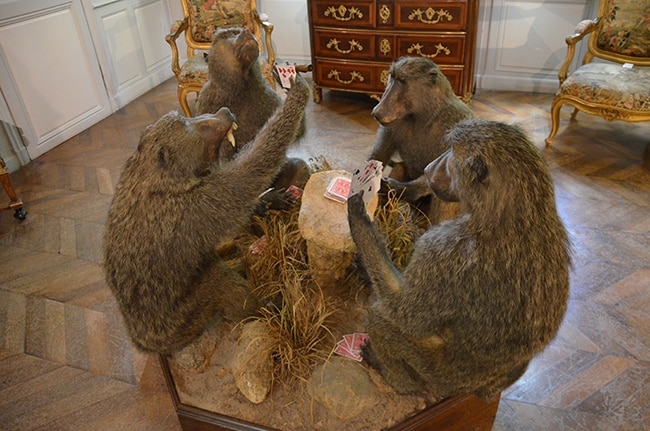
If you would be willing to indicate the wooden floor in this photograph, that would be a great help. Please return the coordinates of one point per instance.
(66, 364)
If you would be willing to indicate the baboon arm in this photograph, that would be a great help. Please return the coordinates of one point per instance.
(386, 279)
(240, 182)
(384, 148)
(410, 191)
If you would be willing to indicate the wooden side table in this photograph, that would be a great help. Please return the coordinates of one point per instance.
(354, 42)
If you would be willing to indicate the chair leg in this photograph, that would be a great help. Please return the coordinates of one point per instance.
(15, 203)
(182, 99)
(574, 113)
(555, 120)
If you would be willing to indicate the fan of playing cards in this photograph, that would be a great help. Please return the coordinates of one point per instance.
(350, 345)
(367, 179)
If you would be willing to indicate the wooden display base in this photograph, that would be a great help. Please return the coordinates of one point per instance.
(453, 414)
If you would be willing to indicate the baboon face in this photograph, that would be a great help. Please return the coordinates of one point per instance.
(411, 80)
(235, 47)
(186, 146)
(455, 170)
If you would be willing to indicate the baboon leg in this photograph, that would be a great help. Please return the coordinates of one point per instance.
(497, 383)
(398, 172)
(384, 355)
(295, 172)
(227, 292)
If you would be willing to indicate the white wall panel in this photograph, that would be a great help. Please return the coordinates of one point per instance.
(122, 46)
(131, 38)
(152, 28)
(54, 90)
(291, 29)
(522, 43)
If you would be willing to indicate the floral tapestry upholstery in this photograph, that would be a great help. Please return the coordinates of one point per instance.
(626, 28)
(206, 16)
(611, 85)
(194, 70)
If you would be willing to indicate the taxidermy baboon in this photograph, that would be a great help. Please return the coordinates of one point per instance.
(482, 294)
(417, 108)
(235, 80)
(174, 203)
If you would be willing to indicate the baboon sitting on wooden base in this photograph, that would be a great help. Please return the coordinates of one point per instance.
(174, 203)
(235, 80)
(416, 110)
(482, 294)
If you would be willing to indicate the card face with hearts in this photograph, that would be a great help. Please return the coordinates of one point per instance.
(367, 179)
(286, 73)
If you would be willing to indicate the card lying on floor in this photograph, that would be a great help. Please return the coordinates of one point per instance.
(350, 345)
(367, 179)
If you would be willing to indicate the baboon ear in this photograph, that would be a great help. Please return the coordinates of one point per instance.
(433, 74)
(478, 167)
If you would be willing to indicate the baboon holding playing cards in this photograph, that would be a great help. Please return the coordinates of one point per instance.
(235, 80)
(417, 108)
(482, 294)
(174, 203)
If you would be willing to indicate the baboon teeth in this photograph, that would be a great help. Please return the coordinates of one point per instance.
(231, 137)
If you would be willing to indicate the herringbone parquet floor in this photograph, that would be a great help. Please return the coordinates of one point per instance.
(65, 363)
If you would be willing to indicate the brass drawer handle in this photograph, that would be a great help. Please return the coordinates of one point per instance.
(383, 78)
(341, 11)
(417, 48)
(384, 46)
(430, 16)
(353, 75)
(384, 13)
(353, 44)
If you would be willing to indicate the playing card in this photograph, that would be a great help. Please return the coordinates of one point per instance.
(341, 350)
(294, 191)
(259, 246)
(350, 345)
(358, 340)
(367, 179)
(286, 73)
(338, 189)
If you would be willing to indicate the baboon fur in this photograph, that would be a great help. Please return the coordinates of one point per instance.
(482, 294)
(416, 110)
(174, 203)
(235, 80)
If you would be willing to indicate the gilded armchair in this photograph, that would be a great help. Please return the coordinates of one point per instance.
(618, 86)
(200, 19)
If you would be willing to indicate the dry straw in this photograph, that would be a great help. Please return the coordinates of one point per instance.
(299, 317)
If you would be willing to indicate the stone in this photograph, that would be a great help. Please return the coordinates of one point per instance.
(323, 223)
(343, 387)
(252, 362)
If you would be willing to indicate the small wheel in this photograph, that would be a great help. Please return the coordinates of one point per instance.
(20, 214)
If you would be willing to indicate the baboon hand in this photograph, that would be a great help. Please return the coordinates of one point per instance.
(369, 356)
(393, 184)
(356, 206)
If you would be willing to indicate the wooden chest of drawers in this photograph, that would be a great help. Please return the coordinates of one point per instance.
(353, 42)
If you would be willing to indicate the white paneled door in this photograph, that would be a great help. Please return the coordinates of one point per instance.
(49, 72)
